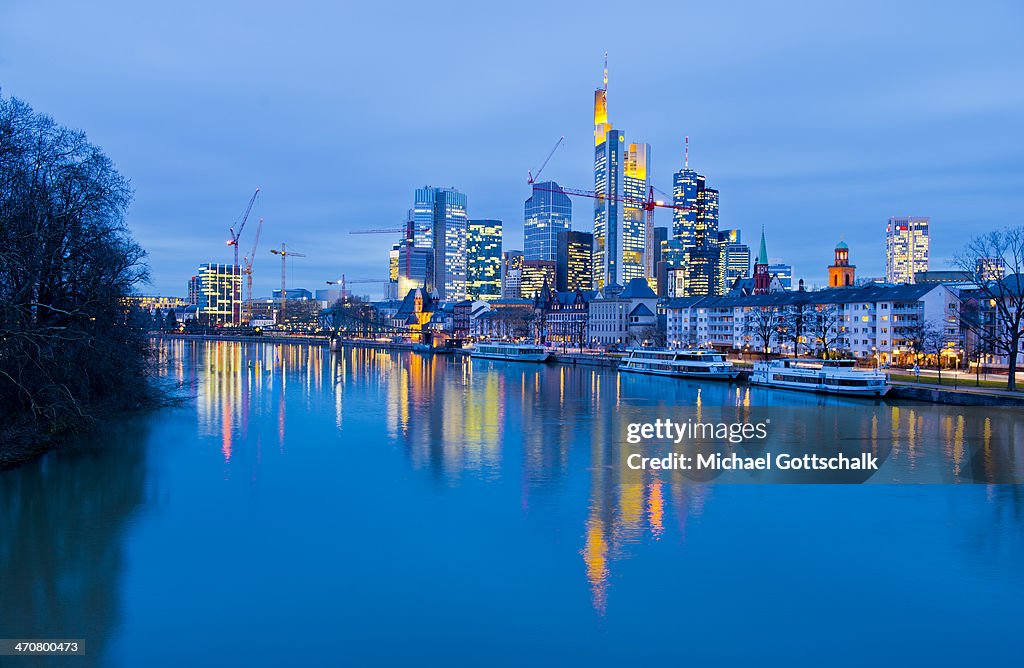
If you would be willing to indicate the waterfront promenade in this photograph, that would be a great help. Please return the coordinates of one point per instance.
(965, 393)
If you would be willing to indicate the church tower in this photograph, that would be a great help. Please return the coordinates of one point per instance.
(841, 273)
(762, 279)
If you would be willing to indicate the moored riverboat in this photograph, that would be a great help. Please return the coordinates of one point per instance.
(828, 376)
(514, 352)
(698, 363)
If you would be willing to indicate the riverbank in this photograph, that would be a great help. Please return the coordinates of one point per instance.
(962, 396)
(20, 444)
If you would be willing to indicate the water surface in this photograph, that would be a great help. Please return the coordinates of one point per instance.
(376, 508)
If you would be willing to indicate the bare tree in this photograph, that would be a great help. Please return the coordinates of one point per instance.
(995, 262)
(926, 340)
(823, 326)
(68, 344)
(763, 323)
(795, 320)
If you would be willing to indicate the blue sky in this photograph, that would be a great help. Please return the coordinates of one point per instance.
(816, 121)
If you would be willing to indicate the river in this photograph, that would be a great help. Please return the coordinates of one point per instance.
(383, 508)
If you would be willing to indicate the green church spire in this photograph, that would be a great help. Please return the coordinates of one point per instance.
(762, 256)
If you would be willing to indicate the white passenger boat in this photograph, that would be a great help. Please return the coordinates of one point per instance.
(830, 376)
(516, 352)
(679, 363)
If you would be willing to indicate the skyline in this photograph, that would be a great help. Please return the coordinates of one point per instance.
(197, 118)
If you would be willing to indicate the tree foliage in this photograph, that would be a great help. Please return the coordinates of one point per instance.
(68, 344)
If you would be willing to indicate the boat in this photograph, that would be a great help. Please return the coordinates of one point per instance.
(697, 363)
(516, 352)
(828, 376)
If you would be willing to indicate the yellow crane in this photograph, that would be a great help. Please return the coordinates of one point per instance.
(285, 254)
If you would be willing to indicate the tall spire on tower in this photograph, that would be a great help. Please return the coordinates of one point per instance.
(762, 256)
(601, 124)
(686, 154)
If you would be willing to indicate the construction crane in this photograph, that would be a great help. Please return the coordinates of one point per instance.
(233, 241)
(648, 205)
(381, 230)
(530, 177)
(285, 254)
(247, 270)
(343, 282)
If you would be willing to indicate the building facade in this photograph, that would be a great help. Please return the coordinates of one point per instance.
(546, 213)
(537, 276)
(415, 268)
(623, 316)
(219, 294)
(784, 272)
(449, 236)
(907, 245)
(483, 259)
(734, 257)
(876, 323)
(574, 257)
(511, 274)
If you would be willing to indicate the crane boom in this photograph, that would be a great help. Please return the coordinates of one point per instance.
(247, 270)
(530, 177)
(233, 241)
(382, 230)
(285, 254)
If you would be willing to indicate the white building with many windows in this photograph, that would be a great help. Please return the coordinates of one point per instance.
(873, 321)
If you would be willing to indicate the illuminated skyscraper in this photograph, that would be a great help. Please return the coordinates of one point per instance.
(415, 268)
(695, 232)
(421, 217)
(483, 259)
(575, 257)
(547, 212)
(537, 274)
(706, 231)
(906, 248)
(219, 295)
(703, 271)
(735, 258)
(620, 170)
(449, 236)
(635, 183)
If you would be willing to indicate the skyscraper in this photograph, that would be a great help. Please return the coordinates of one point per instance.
(574, 268)
(483, 259)
(695, 231)
(547, 212)
(415, 268)
(906, 248)
(511, 274)
(537, 274)
(438, 219)
(620, 170)
(703, 270)
(734, 257)
(219, 296)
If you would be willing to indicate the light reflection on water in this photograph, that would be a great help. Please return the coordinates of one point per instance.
(378, 490)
